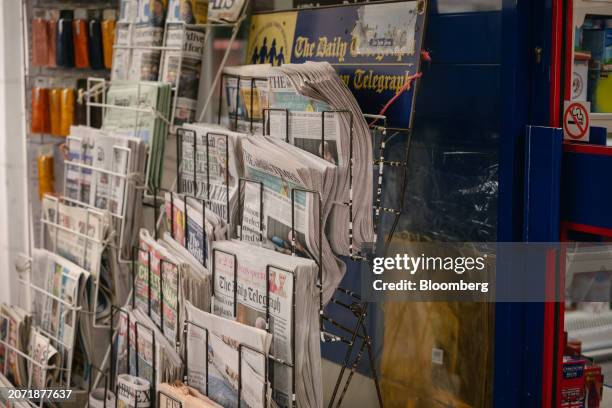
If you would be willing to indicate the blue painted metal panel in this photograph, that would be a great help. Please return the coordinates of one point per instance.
(585, 192)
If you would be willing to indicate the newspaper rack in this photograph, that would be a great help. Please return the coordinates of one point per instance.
(31, 362)
(97, 86)
(66, 351)
(118, 219)
(207, 28)
(88, 241)
(161, 289)
(114, 364)
(234, 116)
(240, 347)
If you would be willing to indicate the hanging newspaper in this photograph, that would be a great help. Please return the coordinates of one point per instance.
(185, 65)
(215, 160)
(46, 362)
(156, 285)
(292, 281)
(273, 203)
(140, 27)
(246, 97)
(225, 340)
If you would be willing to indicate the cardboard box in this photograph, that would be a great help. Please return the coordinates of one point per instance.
(573, 382)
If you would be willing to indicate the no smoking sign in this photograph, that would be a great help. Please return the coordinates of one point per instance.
(576, 121)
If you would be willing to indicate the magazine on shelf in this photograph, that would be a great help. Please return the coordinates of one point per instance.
(292, 280)
(224, 341)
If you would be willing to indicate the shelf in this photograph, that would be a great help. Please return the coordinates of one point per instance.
(584, 7)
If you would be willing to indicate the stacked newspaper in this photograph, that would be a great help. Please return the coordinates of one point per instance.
(151, 356)
(348, 137)
(141, 110)
(167, 274)
(59, 290)
(292, 306)
(279, 214)
(236, 353)
(193, 227)
(140, 28)
(15, 326)
(211, 166)
(246, 97)
(46, 362)
(105, 175)
(81, 235)
(182, 61)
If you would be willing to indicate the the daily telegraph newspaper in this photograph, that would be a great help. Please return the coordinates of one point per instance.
(151, 356)
(214, 158)
(292, 280)
(64, 280)
(185, 65)
(290, 215)
(15, 326)
(101, 172)
(246, 96)
(225, 341)
(140, 24)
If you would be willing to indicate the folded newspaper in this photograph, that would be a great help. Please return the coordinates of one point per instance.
(167, 274)
(15, 327)
(237, 354)
(151, 357)
(82, 235)
(140, 29)
(104, 171)
(229, 11)
(296, 332)
(5, 399)
(192, 226)
(182, 60)
(141, 110)
(346, 136)
(59, 290)
(282, 213)
(246, 96)
(46, 362)
(211, 166)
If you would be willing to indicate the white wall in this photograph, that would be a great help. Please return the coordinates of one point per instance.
(13, 201)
